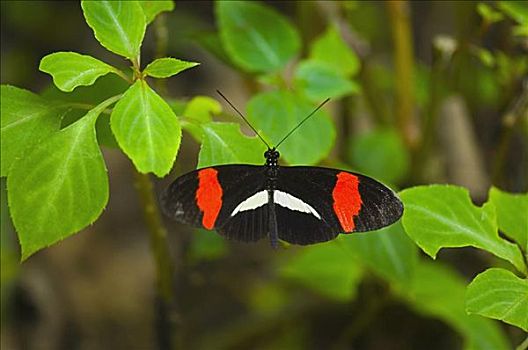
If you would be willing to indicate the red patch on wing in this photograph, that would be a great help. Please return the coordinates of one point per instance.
(347, 200)
(209, 196)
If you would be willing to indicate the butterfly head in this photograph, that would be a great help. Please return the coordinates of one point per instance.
(272, 157)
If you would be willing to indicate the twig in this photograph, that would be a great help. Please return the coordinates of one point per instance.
(404, 63)
(158, 240)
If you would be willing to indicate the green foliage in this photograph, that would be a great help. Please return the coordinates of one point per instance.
(388, 252)
(255, 37)
(498, 293)
(146, 129)
(440, 216)
(27, 119)
(118, 25)
(60, 186)
(206, 245)
(277, 112)
(70, 69)
(167, 67)
(512, 214)
(332, 50)
(198, 111)
(381, 154)
(64, 168)
(319, 81)
(153, 8)
(327, 268)
(223, 143)
(438, 291)
(488, 13)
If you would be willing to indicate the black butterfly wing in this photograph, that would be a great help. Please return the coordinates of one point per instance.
(342, 202)
(207, 197)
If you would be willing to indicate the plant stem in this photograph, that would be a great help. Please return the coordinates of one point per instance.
(165, 325)
(403, 61)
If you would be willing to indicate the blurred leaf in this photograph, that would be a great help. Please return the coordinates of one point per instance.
(151, 8)
(422, 84)
(438, 291)
(442, 216)
(388, 252)
(512, 214)
(70, 69)
(278, 112)
(499, 294)
(223, 143)
(486, 57)
(167, 66)
(268, 298)
(206, 245)
(67, 182)
(26, 119)
(326, 268)
(118, 25)
(319, 81)
(518, 10)
(198, 111)
(489, 14)
(146, 129)
(331, 49)
(211, 42)
(255, 37)
(381, 154)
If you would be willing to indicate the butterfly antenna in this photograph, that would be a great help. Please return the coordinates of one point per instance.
(301, 123)
(242, 116)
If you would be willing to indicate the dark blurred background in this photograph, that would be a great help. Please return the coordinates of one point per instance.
(96, 289)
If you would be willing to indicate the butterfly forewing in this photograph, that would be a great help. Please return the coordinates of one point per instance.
(207, 197)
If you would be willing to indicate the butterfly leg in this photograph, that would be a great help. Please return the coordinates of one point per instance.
(272, 217)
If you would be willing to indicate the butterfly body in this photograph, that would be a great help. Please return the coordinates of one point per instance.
(300, 204)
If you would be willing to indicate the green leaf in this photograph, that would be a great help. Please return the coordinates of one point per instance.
(151, 8)
(442, 216)
(275, 113)
(489, 14)
(330, 48)
(223, 143)
(59, 187)
(319, 81)
(199, 110)
(326, 268)
(103, 88)
(207, 245)
(438, 291)
(70, 69)
(512, 214)
(388, 252)
(518, 10)
(146, 129)
(256, 38)
(118, 25)
(380, 153)
(167, 66)
(499, 294)
(26, 119)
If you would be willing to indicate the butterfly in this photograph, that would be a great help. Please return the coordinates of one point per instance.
(296, 204)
